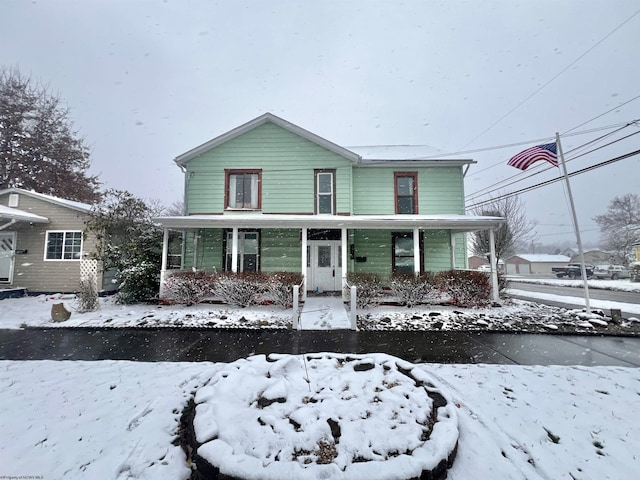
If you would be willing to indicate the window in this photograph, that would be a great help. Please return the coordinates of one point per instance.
(243, 189)
(63, 246)
(248, 249)
(406, 189)
(325, 188)
(402, 245)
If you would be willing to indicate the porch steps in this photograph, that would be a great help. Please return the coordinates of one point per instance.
(324, 313)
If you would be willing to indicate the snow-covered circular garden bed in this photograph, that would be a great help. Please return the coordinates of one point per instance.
(321, 416)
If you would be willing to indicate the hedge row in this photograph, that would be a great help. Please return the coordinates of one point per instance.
(462, 288)
(240, 289)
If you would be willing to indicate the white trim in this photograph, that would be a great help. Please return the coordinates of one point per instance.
(416, 251)
(64, 238)
(457, 223)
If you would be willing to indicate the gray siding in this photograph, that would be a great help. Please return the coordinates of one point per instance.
(31, 271)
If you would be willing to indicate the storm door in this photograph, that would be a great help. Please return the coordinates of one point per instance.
(7, 251)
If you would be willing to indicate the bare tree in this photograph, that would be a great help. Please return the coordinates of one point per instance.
(39, 147)
(176, 209)
(516, 231)
(620, 226)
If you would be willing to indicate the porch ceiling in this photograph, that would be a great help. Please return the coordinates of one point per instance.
(460, 223)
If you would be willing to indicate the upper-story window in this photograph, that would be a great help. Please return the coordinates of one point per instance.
(325, 198)
(243, 189)
(63, 246)
(406, 191)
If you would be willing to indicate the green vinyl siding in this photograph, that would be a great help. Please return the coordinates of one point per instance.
(281, 250)
(287, 162)
(437, 250)
(440, 190)
(375, 245)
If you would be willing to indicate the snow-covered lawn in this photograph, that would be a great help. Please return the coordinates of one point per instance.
(512, 315)
(118, 419)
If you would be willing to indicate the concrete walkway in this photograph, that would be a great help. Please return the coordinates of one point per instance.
(324, 313)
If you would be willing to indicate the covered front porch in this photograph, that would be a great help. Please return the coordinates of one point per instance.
(323, 248)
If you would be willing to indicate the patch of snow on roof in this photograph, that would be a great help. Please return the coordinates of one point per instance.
(544, 258)
(50, 198)
(394, 152)
(13, 213)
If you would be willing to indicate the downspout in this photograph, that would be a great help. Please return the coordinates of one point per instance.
(7, 225)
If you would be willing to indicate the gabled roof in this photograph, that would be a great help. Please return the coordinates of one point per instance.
(79, 206)
(261, 120)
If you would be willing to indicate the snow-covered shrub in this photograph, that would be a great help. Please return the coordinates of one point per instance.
(188, 287)
(129, 241)
(410, 289)
(240, 289)
(139, 283)
(368, 288)
(87, 296)
(279, 287)
(465, 288)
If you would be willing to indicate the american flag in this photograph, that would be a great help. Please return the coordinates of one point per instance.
(547, 152)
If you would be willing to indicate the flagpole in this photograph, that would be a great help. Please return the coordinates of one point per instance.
(583, 269)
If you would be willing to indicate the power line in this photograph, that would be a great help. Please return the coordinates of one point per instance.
(603, 114)
(557, 179)
(552, 79)
(542, 168)
(535, 141)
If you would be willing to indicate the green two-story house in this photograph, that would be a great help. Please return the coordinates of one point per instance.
(270, 196)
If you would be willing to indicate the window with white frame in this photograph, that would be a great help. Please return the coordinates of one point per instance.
(243, 189)
(325, 192)
(248, 252)
(63, 245)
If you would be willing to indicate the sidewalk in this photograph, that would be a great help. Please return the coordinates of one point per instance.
(324, 313)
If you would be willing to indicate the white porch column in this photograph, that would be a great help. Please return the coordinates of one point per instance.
(452, 237)
(495, 292)
(196, 236)
(303, 263)
(165, 254)
(234, 251)
(343, 259)
(416, 251)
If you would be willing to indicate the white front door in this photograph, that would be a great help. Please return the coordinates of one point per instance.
(325, 265)
(7, 252)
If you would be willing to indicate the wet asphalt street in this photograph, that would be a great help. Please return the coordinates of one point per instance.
(181, 345)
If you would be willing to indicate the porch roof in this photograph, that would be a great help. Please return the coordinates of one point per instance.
(460, 223)
(10, 213)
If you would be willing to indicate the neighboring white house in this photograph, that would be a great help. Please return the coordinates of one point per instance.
(535, 264)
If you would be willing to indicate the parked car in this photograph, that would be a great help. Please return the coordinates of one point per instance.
(484, 268)
(572, 270)
(613, 272)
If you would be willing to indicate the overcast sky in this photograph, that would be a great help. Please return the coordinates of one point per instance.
(148, 80)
